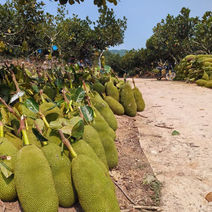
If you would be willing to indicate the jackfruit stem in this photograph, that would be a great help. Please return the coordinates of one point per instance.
(22, 128)
(44, 119)
(67, 143)
(44, 143)
(41, 96)
(88, 98)
(1, 129)
(10, 109)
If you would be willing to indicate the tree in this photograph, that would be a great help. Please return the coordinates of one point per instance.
(109, 31)
(202, 41)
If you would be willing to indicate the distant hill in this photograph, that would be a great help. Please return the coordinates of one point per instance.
(121, 52)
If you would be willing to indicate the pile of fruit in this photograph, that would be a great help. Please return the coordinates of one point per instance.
(57, 132)
(192, 67)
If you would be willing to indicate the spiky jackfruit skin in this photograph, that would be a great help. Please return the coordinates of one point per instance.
(201, 82)
(92, 186)
(81, 147)
(104, 109)
(61, 170)
(98, 87)
(138, 99)
(209, 84)
(114, 105)
(102, 127)
(112, 90)
(127, 100)
(17, 142)
(111, 133)
(34, 181)
(7, 185)
(205, 76)
(54, 137)
(91, 136)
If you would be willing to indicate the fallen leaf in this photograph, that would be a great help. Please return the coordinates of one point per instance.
(209, 197)
(175, 132)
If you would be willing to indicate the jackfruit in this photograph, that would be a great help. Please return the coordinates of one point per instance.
(127, 100)
(112, 90)
(209, 84)
(81, 147)
(7, 184)
(92, 186)
(104, 109)
(114, 105)
(111, 133)
(205, 76)
(201, 82)
(54, 137)
(24, 46)
(99, 87)
(50, 111)
(2, 46)
(61, 170)
(23, 110)
(102, 127)
(138, 99)
(91, 136)
(17, 142)
(34, 181)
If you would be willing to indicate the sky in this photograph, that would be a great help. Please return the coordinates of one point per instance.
(142, 15)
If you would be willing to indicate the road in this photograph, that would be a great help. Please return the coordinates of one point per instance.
(183, 163)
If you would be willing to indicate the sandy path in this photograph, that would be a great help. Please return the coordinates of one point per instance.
(183, 163)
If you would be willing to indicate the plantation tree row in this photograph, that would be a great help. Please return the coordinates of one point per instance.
(26, 30)
(172, 39)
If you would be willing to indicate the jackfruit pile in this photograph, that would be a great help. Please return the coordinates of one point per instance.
(57, 137)
(193, 67)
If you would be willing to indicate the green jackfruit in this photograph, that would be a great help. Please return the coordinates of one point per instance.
(24, 46)
(92, 186)
(61, 170)
(127, 100)
(102, 127)
(17, 142)
(112, 90)
(111, 133)
(54, 137)
(201, 82)
(99, 87)
(34, 181)
(91, 136)
(50, 111)
(23, 110)
(138, 99)
(114, 105)
(209, 84)
(7, 185)
(81, 147)
(205, 76)
(104, 109)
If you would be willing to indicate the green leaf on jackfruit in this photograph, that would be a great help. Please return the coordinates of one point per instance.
(32, 105)
(87, 112)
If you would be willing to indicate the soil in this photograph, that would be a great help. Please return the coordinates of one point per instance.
(182, 163)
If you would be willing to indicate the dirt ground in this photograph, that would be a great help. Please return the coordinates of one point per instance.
(181, 162)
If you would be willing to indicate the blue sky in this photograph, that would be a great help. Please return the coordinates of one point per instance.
(142, 15)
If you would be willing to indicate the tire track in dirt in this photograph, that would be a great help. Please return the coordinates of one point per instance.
(181, 162)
